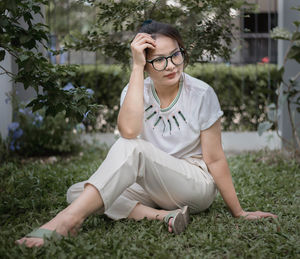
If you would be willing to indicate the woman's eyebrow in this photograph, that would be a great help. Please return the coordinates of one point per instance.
(161, 55)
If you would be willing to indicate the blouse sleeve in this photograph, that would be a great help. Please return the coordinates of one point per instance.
(123, 94)
(210, 110)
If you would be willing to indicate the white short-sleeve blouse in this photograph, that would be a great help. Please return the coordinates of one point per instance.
(176, 129)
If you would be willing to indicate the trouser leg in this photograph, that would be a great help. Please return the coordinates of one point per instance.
(122, 206)
(170, 182)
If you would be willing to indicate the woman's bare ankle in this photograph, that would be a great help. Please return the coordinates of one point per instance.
(161, 214)
(64, 223)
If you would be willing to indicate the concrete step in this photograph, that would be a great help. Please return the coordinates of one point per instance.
(233, 142)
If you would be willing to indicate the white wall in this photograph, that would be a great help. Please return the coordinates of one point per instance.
(286, 17)
(5, 90)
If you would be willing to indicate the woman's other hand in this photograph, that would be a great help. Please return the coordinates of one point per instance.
(256, 215)
(140, 43)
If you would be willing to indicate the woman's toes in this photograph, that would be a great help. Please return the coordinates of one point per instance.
(34, 242)
(20, 241)
(30, 242)
(170, 225)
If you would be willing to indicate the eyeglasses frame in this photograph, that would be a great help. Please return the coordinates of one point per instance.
(166, 58)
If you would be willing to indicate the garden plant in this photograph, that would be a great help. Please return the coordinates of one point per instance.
(288, 90)
(24, 43)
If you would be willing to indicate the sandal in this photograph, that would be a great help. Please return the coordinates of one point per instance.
(186, 215)
(44, 233)
(180, 220)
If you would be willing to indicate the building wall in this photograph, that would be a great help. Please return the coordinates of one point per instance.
(286, 18)
(5, 103)
(251, 47)
(6, 86)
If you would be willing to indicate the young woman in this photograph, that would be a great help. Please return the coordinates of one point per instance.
(169, 159)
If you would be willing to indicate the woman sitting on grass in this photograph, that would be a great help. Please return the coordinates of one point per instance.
(175, 165)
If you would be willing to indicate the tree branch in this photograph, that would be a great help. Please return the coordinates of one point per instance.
(6, 72)
(296, 76)
(295, 135)
(287, 52)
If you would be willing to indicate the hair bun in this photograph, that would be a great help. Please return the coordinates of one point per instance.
(147, 22)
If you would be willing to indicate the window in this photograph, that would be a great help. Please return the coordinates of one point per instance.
(257, 45)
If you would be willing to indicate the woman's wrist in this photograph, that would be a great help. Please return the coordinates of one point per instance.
(239, 213)
(138, 68)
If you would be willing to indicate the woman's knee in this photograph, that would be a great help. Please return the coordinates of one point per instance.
(127, 142)
(136, 144)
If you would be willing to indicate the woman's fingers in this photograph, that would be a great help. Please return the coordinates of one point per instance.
(267, 214)
(141, 42)
(146, 40)
(142, 35)
(258, 215)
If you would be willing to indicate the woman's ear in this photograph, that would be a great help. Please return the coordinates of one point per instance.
(145, 71)
(146, 68)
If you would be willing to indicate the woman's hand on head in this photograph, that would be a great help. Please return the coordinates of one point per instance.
(256, 215)
(138, 46)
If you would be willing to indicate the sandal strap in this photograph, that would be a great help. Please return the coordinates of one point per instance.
(43, 233)
(170, 215)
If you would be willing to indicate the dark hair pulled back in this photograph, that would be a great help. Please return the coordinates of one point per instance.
(158, 28)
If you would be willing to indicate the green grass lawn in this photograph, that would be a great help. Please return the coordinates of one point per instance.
(33, 192)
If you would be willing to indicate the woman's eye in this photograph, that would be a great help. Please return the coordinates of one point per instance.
(159, 60)
(176, 54)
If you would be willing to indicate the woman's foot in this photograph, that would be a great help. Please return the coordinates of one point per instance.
(177, 220)
(63, 223)
(141, 211)
(70, 219)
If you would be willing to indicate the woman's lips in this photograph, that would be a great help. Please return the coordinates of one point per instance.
(171, 75)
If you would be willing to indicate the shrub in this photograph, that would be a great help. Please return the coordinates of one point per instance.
(3, 150)
(107, 83)
(33, 134)
(243, 91)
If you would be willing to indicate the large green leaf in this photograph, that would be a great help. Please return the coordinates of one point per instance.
(297, 23)
(296, 36)
(294, 53)
(272, 112)
(264, 126)
(280, 34)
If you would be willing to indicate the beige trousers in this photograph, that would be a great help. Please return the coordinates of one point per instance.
(135, 171)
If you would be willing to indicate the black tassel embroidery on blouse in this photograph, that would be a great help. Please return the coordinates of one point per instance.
(158, 120)
(170, 126)
(180, 113)
(176, 121)
(149, 108)
(151, 115)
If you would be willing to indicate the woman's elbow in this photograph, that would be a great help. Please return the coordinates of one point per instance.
(128, 133)
(128, 136)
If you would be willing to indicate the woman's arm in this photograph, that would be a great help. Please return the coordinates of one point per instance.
(130, 118)
(214, 157)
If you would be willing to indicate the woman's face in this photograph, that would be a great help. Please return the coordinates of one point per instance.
(165, 47)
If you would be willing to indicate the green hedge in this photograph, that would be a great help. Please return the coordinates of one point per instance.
(107, 83)
(243, 91)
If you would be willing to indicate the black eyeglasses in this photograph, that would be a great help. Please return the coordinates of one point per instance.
(160, 63)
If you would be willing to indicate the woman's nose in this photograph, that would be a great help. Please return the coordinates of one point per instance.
(170, 64)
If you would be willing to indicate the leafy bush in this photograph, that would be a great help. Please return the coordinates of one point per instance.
(22, 40)
(33, 134)
(107, 83)
(243, 91)
(287, 92)
(3, 150)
